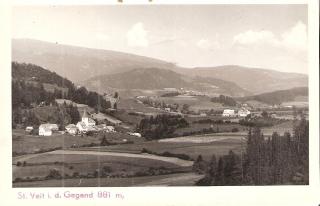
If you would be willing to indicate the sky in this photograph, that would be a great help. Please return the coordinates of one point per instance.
(261, 36)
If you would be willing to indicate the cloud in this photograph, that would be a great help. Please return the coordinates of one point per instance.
(296, 37)
(207, 44)
(293, 39)
(137, 36)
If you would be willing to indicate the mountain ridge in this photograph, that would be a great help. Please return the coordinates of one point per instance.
(80, 64)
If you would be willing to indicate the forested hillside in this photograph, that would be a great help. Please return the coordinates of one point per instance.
(28, 93)
(277, 160)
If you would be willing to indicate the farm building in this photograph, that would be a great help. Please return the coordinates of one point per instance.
(134, 134)
(243, 112)
(110, 129)
(72, 129)
(29, 129)
(47, 129)
(228, 113)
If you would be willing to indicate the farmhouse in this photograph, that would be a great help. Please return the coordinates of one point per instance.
(72, 129)
(110, 129)
(47, 129)
(134, 134)
(228, 113)
(29, 129)
(243, 112)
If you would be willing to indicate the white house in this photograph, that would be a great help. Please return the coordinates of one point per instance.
(82, 127)
(72, 129)
(110, 129)
(243, 112)
(167, 109)
(228, 113)
(134, 134)
(29, 129)
(47, 129)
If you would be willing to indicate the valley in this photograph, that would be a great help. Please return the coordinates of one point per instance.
(126, 120)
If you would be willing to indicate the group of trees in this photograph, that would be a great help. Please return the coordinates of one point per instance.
(25, 94)
(62, 115)
(266, 161)
(225, 100)
(161, 126)
(92, 99)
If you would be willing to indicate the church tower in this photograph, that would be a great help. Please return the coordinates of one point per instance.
(85, 117)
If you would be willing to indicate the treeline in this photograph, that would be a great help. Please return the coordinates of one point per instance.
(225, 100)
(161, 126)
(260, 121)
(92, 99)
(272, 161)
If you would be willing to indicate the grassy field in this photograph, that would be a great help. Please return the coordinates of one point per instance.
(192, 149)
(40, 165)
(181, 179)
(24, 143)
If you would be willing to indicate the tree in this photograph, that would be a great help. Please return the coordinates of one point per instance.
(265, 114)
(116, 95)
(219, 177)
(199, 165)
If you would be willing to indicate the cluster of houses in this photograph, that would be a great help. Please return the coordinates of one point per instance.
(87, 124)
(243, 112)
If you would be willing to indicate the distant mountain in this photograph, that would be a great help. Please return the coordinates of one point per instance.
(278, 97)
(79, 64)
(253, 79)
(154, 78)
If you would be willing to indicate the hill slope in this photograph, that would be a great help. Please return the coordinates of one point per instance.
(253, 79)
(154, 78)
(278, 97)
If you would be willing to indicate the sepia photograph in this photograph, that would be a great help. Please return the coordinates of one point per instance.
(159, 95)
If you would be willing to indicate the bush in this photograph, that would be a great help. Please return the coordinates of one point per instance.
(75, 174)
(106, 169)
(235, 129)
(18, 164)
(54, 174)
